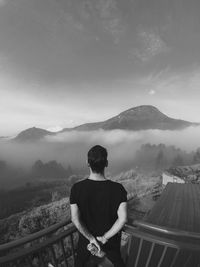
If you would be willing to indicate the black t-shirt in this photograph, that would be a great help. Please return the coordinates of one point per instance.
(98, 202)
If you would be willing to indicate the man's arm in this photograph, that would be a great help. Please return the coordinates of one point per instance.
(118, 225)
(76, 219)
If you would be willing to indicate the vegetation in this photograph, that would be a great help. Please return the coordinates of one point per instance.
(33, 195)
(159, 157)
(50, 170)
(11, 177)
(37, 218)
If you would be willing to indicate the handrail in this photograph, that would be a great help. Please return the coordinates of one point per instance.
(39, 234)
(137, 230)
(145, 248)
(32, 237)
(161, 240)
(167, 230)
(37, 247)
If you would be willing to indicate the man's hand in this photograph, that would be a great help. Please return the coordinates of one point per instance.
(95, 242)
(102, 239)
(93, 248)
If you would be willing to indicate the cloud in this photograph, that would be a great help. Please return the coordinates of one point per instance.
(109, 18)
(131, 138)
(115, 28)
(71, 147)
(3, 2)
(114, 137)
(149, 45)
(106, 8)
(54, 129)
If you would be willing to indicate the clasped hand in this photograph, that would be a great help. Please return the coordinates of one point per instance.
(102, 239)
(98, 241)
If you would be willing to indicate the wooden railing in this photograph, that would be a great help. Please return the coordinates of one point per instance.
(149, 249)
(52, 246)
(56, 246)
(44, 248)
(167, 231)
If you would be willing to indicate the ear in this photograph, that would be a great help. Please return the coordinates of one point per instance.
(87, 163)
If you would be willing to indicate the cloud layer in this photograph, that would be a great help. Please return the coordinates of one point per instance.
(187, 139)
(72, 147)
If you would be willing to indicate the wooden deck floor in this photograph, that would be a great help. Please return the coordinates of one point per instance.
(177, 208)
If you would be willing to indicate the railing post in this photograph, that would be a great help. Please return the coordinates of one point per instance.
(41, 259)
(63, 252)
(73, 250)
(29, 261)
(53, 255)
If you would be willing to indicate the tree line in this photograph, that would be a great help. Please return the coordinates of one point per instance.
(158, 157)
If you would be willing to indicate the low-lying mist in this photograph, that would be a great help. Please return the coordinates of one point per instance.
(71, 147)
(188, 139)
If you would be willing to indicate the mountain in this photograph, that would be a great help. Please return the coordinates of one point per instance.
(138, 118)
(32, 134)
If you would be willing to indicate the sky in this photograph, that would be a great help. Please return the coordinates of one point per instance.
(68, 62)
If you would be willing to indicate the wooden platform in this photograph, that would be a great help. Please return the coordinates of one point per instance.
(169, 235)
(177, 208)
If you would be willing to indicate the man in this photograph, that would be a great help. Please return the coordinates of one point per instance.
(98, 210)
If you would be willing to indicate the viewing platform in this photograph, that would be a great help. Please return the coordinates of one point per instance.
(168, 236)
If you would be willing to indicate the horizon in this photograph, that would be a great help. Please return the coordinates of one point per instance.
(58, 129)
(66, 63)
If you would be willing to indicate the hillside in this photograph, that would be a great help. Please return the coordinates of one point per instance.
(30, 221)
(27, 222)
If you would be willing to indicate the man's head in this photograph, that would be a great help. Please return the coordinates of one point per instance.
(97, 159)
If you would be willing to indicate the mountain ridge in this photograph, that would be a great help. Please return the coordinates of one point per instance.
(138, 118)
(143, 117)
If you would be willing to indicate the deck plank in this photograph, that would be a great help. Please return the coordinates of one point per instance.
(178, 208)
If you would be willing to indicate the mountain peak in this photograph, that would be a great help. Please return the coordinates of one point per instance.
(143, 109)
(143, 117)
(32, 134)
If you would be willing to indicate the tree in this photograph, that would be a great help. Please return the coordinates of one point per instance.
(178, 161)
(51, 169)
(37, 169)
(2, 166)
(196, 157)
(159, 164)
(69, 170)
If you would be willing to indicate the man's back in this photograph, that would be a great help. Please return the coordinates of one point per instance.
(98, 202)
(99, 211)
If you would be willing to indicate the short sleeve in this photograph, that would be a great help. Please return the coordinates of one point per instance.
(73, 195)
(123, 194)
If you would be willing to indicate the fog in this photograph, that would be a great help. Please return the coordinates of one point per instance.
(188, 139)
(71, 147)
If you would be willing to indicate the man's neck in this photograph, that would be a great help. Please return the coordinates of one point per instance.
(97, 176)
